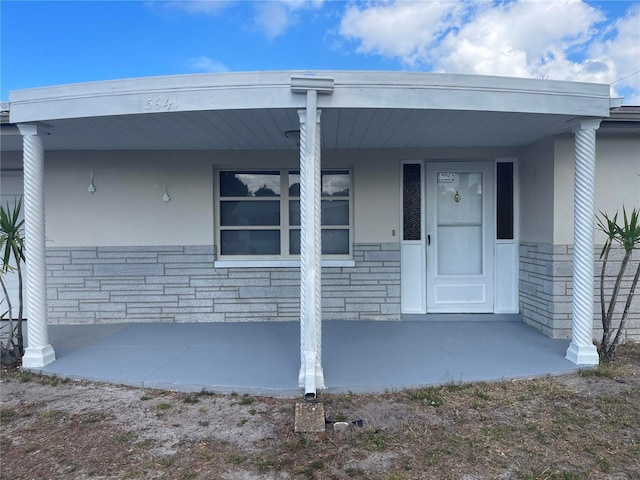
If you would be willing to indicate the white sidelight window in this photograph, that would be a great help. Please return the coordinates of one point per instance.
(258, 214)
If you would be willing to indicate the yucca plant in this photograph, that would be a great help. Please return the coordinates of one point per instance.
(628, 236)
(12, 249)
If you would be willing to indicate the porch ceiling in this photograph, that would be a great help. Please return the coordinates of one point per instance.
(263, 129)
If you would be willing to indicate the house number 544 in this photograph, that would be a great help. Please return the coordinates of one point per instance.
(159, 103)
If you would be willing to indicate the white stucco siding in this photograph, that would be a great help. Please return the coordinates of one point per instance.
(377, 200)
(537, 193)
(617, 180)
(127, 207)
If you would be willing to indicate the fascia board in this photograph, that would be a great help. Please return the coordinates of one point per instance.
(274, 90)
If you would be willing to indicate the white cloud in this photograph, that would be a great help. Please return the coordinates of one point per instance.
(273, 18)
(209, 7)
(206, 64)
(563, 40)
(623, 51)
(403, 30)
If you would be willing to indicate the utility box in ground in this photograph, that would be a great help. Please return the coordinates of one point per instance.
(309, 418)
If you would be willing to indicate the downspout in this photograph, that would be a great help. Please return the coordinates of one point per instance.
(311, 374)
(310, 242)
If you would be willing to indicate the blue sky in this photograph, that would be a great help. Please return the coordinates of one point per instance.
(57, 42)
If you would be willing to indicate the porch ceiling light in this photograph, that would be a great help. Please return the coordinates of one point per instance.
(294, 135)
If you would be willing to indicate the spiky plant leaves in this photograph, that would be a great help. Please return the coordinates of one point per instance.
(12, 247)
(628, 236)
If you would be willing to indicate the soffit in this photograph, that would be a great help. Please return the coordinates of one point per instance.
(263, 129)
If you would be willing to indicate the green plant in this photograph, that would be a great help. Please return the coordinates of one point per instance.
(12, 250)
(7, 412)
(628, 236)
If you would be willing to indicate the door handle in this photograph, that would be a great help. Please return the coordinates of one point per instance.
(428, 239)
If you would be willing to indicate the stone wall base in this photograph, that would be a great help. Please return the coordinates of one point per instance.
(180, 284)
(546, 289)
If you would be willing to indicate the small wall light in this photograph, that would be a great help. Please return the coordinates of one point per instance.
(92, 187)
(166, 198)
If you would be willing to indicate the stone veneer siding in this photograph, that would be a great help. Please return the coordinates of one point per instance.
(546, 288)
(180, 284)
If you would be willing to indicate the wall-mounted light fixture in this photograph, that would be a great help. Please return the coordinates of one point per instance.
(166, 198)
(92, 187)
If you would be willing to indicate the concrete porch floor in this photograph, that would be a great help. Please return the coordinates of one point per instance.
(264, 358)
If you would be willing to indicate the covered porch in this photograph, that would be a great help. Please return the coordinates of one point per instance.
(173, 264)
(264, 357)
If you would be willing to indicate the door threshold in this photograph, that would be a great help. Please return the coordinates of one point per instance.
(461, 317)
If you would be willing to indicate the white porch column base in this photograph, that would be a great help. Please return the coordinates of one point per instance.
(582, 351)
(582, 354)
(38, 352)
(38, 357)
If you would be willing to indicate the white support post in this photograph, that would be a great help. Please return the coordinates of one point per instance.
(311, 375)
(38, 352)
(582, 351)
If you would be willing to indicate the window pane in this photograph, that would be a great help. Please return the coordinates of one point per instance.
(460, 250)
(335, 242)
(294, 242)
(249, 213)
(250, 242)
(335, 183)
(294, 184)
(411, 202)
(504, 207)
(335, 212)
(459, 198)
(294, 212)
(249, 184)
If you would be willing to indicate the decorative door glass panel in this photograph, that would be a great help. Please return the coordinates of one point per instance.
(411, 201)
(504, 201)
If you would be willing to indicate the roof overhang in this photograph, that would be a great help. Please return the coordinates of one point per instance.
(251, 111)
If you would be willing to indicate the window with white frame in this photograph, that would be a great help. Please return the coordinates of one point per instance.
(258, 214)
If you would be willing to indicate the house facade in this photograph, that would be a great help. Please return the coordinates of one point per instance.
(289, 196)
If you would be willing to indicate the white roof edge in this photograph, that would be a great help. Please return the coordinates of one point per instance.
(353, 89)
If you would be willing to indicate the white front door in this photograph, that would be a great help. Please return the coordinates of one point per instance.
(460, 237)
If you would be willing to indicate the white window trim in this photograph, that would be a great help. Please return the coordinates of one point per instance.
(283, 260)
(278, 263)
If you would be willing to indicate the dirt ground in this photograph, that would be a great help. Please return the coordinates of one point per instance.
(578, 426)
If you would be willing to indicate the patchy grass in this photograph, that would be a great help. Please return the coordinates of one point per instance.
(582, 426)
